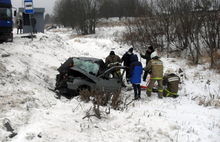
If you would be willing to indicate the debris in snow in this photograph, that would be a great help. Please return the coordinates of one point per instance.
(5, 55)
(9, 128)
(39, 135)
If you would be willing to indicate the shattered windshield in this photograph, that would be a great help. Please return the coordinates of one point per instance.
(87, 66)
(5, 14)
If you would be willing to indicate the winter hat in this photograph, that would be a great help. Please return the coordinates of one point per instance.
(112, 53)
(151, 48)
(130, 50)
(153, 55)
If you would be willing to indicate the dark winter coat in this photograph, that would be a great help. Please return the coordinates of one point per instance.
(127, 59)
(147, 56)
(19, 24)
(33, 21)
(135, 70)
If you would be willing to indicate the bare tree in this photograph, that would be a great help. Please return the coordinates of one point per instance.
(211, 24)
(175, 26)
(82, 14)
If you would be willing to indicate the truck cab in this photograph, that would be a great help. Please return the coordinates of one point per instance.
(6, 24)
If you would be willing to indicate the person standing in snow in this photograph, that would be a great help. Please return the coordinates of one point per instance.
(113, 60)
(147, 56)
(172, 82)
(127, 61)
(156, 67)
(19, 25)
(135, 72)
(33, 24)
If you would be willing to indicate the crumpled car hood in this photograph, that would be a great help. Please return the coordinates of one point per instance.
(92, 77)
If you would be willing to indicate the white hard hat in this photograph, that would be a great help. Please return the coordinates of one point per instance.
(170, 71)
(154, 54)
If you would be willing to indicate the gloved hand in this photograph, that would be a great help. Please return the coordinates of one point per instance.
(117, 63)
(110, 65)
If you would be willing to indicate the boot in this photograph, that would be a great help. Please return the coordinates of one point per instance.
(123, 84)
(160, 95)
(148, 93)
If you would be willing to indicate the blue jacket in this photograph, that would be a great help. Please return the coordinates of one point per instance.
(135, 70)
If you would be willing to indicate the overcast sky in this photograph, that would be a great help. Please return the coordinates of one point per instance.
(47, 4)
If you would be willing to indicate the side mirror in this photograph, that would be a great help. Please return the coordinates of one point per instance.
(15, 13)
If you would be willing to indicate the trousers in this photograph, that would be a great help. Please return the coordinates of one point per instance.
(151, 85)
(137, 90)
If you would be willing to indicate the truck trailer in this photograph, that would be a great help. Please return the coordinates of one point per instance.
(6, 23)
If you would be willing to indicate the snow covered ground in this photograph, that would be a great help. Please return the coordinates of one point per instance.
(30, 68)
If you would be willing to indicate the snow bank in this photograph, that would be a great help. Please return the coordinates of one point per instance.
(38, 116)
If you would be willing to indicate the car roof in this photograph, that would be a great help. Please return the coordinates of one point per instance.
(88, 59)
(95, 60)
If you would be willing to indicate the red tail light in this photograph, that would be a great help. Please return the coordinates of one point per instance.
(71, 64)
(64, 76)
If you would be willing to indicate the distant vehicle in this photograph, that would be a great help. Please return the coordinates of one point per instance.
(6, 24)
(79, 73)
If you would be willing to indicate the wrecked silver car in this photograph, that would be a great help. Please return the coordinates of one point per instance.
(79, 73)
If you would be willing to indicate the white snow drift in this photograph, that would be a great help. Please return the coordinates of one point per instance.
(30, 68)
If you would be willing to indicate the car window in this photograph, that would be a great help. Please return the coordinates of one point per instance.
(87, 66)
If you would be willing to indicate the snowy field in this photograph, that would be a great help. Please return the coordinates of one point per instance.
(28, 68)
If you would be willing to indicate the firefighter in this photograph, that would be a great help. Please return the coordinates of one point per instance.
(172, 82)
(114, 60)
(147, 56)
(156, 67)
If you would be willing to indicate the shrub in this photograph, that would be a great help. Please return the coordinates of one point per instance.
(213, 99)
(99, 98)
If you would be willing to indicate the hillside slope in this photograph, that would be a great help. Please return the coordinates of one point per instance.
(30, 68)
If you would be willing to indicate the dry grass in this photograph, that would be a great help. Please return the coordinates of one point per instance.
(60, 30)
(99, 98)
(205, 58)
(2, 68)
(111, 23)
(78, 36)
(212, 99)
(217, 61)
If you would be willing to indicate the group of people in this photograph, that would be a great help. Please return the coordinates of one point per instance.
(20, 25)
(154, 66)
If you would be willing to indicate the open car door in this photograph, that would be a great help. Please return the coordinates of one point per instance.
(110, 84)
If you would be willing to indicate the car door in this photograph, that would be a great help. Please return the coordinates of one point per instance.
(109, 84)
